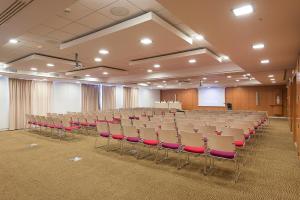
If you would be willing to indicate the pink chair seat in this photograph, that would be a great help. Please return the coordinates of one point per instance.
(118, 137)
(247, 136)
(151, 142)
(239, 143)
(170, 145)
(71, 128)
(223, 154)
(133, 139)
(194, 149)
(104, 134)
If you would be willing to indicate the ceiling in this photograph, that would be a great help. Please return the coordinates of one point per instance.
(55, 32)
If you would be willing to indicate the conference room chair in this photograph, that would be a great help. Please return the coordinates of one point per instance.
(168, 141)
(116, 133)
(131, 136)
(103, 132)
(206, 130)
(149, 139)
(139, 124)
(192, 144)
(68, 128)
(223, 148)
(126, 122)
(187, 127)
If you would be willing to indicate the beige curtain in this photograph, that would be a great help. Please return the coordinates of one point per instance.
(108, 97)
(90, 97)
(19, 102)
(41, 97)
(130, 97)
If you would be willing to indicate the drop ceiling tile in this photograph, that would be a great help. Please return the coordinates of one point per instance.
(147, 5)
(59, 35)
(132, 10)
(96, 20)
(76, 29)
(167, 15)
(57, 22)
(96, 4)
(77, 11)
(41, 30)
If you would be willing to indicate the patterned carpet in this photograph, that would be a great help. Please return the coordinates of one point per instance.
(45, 171)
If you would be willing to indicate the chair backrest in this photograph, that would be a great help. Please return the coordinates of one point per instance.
(126, 122)
(191, 139)
(115, 129)
(237, 133)
(102, 128)
(186, 127)
(221, 143)
(206, 129)
(138, 124)
(130, 131)
(148, 134)
(168, 136)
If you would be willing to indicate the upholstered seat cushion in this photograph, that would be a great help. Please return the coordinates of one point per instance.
(239, 143)
(132, 139)
(118, 137)
(247, 136)
(170, 145)
(104, 134)
(92, 124)
(223, 154)
(194, 149)
(151, 142)
(71, 128)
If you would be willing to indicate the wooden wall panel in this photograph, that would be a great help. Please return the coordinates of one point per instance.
(242, 98)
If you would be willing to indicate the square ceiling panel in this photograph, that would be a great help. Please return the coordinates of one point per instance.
(42, 63)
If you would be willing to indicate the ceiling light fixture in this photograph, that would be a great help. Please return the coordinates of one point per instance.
(272, 79)
(143, 84)
(87, 75)
(50, 65)
(146, 41)
(243, 10)
(164, 81)
(156, 65)
(192, 61)
(33, 69)
(237, 80)
(105, 73)
(266, 61)
(216, 81)
(229, 76)
(149, 70)
(204, 78)
(271, 76)
(13, 41)
(198, 37)
(97, 59)
(258, 46)
(160, 86)
(103, 51)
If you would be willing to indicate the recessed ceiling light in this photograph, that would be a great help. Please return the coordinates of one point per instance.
(216, 81)
(229, 76)
(198, 37)
(237, 80)
(148, 82)
(13, 41)
(78, 82)
(87, 75)
(271, 76)
(272, 79)
(160, 86)
(192, 61)
(224, 58)
(156, 65)
(105, 73)
(258, 46)
(266, 61)
(149, 70)
(143, 84)
(103, 51)
(50, 65)
(204, 78)
(243, 10)
(252, 78)
(33, 69)
(97, 59)
(146, 41)
(164, 81)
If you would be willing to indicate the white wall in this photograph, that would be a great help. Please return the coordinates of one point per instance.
(66, 97)
(147, 97)
(4, 103)
(119, 97)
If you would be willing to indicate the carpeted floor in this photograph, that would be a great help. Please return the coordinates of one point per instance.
(45, 172)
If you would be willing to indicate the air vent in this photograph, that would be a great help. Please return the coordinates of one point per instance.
(13, 9)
